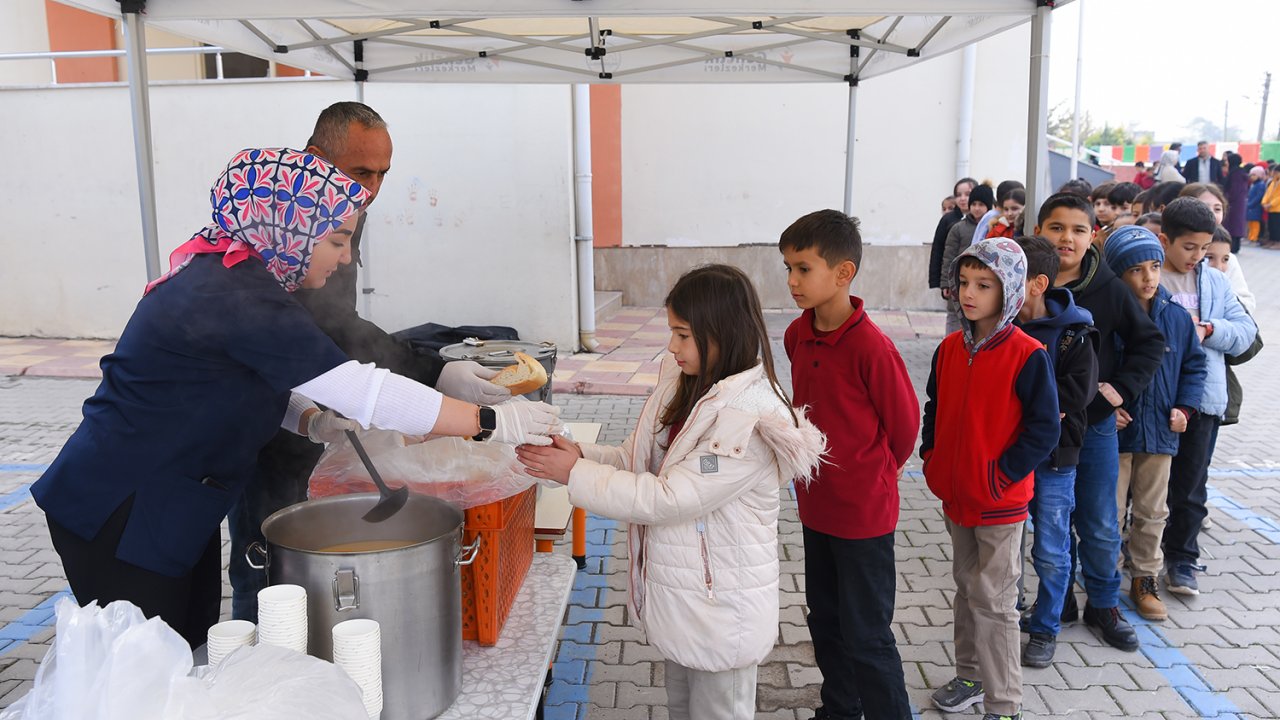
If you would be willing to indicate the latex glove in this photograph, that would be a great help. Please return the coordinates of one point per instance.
(469, 382)
(526, 423)
(328, 426)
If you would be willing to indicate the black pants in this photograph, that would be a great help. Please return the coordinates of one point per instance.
(189, 604)
(850, 587)
(1188, 489)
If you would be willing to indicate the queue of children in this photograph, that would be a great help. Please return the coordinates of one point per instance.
(1098, 376)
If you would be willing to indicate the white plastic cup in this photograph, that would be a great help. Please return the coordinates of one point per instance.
(282, 617)
(226, 636)
(357, 649)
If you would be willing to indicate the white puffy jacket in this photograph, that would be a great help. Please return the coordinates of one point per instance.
(703, 539)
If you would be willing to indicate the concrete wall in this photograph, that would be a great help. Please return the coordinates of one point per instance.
(887, 279)
(472, 226)
(23, 29)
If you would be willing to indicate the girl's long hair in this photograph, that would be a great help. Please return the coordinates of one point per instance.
(723, 310)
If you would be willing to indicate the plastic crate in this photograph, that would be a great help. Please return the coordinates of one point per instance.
(490, 584)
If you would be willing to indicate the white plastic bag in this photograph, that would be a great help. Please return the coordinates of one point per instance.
(112, 664)
(459, 471)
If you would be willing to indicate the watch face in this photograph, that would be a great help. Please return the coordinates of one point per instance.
(488, 419)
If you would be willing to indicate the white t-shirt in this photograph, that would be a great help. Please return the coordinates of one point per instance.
(1182, 286)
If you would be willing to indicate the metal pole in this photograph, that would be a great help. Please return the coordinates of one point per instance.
(1037, 106)
(1226, 109)
(849, 147)
(584, 222)
(140, 105)
(1075, 114)
(1266, 94)
(964, 132)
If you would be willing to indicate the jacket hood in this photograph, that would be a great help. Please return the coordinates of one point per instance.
(1005, 258)
(1063, 311)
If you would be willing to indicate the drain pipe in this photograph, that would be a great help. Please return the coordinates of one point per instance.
(583, 228)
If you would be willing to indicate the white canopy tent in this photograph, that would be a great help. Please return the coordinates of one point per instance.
(585, 41)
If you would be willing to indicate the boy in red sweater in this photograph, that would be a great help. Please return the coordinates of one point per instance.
(991, 418)
(858, 393)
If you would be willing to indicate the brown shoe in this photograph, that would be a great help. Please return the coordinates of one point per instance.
(1146, 599)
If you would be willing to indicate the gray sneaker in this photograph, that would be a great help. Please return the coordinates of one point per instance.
(958, 695)
(993, 716)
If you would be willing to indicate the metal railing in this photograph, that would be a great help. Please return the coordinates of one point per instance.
(54, 56)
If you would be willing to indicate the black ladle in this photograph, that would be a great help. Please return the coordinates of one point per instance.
(392, 500)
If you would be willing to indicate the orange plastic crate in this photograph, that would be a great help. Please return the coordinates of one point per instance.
(490, 584)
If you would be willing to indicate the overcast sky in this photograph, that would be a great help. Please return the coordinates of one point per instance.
(1161, 63)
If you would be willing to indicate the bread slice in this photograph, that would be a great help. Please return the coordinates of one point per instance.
(524, 377)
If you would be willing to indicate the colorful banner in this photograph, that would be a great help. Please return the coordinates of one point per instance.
(1150, 154)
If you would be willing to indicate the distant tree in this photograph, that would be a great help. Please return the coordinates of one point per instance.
(1202, 128)
(1109, 135)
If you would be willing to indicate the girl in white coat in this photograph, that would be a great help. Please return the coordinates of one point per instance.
(699, 481)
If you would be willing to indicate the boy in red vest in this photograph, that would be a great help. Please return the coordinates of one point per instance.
(856, 387)
(991, 418)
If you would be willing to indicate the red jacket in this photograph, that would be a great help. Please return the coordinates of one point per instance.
(991, 418)
(859, 394)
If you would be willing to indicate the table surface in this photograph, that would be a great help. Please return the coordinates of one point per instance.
(505, 681)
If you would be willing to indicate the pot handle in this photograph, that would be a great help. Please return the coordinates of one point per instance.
(258, 548)
(346, 590)
(471, 552)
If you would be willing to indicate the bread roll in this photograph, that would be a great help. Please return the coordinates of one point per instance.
(524, 377)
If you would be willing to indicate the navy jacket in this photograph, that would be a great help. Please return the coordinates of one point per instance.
(198, 383)
(1068, 335)
(1179, 382)
(1119, 319)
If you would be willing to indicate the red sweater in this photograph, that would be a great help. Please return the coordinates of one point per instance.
(859, 394)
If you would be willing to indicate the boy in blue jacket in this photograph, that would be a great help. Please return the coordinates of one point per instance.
(1065, 330)
(1151, 426)
(1223, 328)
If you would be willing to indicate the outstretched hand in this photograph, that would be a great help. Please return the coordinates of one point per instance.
(550, 462)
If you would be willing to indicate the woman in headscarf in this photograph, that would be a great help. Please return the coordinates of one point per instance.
(1168, 170)
(1235, 184)
(216, 357)
(1253, 213)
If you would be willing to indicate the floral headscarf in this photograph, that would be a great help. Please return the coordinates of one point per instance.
(273, 204)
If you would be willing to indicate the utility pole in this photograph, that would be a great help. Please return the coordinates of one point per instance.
(1266, 92)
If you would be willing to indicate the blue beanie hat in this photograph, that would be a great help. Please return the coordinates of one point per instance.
(1131, 245)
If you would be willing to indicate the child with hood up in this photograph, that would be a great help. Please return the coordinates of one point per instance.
(990, 419)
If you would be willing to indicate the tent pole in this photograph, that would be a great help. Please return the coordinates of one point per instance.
(140, 105)
(849, 146)
(365, 270)
(964, 131)
(1037, 106)
(583, 225)
(1075, 115)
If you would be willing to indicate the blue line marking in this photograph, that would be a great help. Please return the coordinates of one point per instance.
(1263, 525)
(568, 697)
(23, 467)
(17, 632)
(1182, 674)
(15, 497)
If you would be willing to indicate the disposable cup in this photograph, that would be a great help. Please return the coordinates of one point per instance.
(225, 637)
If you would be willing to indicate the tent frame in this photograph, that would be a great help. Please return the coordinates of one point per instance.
(855, 39)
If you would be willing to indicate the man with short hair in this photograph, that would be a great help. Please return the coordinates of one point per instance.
(354, 137)
(1204, 168)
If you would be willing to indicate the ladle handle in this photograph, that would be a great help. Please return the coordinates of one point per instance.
(368, 464)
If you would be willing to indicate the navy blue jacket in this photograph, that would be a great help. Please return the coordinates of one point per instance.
(198, 383)
(1178, 382)
(1068, 335)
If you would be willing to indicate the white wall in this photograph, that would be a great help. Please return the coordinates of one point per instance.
(472, 226)
(23, 29)
(727, 164)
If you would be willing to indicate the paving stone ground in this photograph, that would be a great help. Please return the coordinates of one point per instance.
(1218, 655)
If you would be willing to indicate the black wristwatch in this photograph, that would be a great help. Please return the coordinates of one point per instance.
(488, 423)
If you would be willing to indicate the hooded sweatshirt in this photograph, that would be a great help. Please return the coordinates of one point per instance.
(1068, 336)
(992, 410)
(1120, 320)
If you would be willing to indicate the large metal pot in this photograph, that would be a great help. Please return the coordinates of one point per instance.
(498, 354)
(413, 591)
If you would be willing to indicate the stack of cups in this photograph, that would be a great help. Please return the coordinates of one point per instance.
(357, 649)
(282, 617)
(227, 636)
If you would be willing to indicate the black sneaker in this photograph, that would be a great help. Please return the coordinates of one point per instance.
(958, 695)
(1038, 652)
(1181, 578)
(1115, 630)
(821, 713)
(1070, 608)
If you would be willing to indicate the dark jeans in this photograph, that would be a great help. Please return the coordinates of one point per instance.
(1188, 489)
(1095, 516)
(850, 587)
(280, 480)
(189, 604)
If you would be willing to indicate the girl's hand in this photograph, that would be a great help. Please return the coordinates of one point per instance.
(552, 462)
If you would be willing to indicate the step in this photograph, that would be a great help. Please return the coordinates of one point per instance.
(608, 302)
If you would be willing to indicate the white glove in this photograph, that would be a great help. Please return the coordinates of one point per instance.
(526, 423)
(469, 382)
(328, 426)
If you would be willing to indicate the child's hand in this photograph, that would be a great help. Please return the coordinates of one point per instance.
(1123, 418)
(1177, 421)
(1110, 394)
(552, 462)
(1201, 332)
